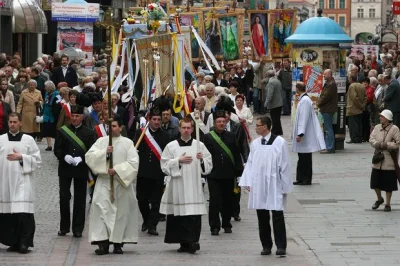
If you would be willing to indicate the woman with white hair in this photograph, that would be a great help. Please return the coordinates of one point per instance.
(28, 105)
(49, 115)
(385, 138)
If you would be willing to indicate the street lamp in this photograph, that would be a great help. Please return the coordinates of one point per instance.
(107, 23)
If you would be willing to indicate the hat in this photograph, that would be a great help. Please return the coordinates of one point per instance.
(76, 109)
(155, 111)
(96, 97)
(219, 114)
(225, 103)
(387, 114)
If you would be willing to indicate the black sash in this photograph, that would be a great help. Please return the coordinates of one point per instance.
(271, 139)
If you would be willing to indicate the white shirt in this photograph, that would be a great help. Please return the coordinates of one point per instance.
(64, 70)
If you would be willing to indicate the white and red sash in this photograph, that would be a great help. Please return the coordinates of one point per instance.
(67, 109)
(100, 131)
(152, 143)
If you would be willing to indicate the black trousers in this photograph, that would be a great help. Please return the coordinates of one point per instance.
(79, 207)
(183, 229)
(355, 127)
(304, 167)
(276, 121)
(366, 127)
(236, 202)
(221, 192)
(149, 193)
(278, 222)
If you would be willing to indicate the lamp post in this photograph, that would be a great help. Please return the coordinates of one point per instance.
(107, 23)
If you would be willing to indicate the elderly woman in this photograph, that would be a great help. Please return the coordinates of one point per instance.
(20, 84)
(6, 95)
(49, 113)
(5, 110)
(28, 105)
(385, 138)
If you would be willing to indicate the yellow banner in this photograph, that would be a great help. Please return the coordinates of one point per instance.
(179, 88)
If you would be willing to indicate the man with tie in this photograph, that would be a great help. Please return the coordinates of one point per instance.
(65, 73)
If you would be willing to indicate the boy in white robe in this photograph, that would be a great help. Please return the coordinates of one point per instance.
(184, 161)
(307, 136)
(19, 158)
(267, 175)
(113, 222)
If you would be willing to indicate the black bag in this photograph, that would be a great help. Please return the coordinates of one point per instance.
(378, 157)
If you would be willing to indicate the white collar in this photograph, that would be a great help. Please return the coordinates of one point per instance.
(267, 137)
(13, 134)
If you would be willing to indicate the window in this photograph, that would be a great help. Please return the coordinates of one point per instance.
(342, 4)
(321, 4)
(331, 4)
(360, 13)
(372, 12)
(341, 21)
(333, 18)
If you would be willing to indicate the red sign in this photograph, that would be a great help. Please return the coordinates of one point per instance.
(396, 8)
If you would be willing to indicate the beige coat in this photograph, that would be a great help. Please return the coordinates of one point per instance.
(27, 108)
(9, 98)
(392, 139)
(356, 99)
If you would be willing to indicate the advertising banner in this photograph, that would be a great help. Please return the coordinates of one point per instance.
(312, 56)
(75, 12)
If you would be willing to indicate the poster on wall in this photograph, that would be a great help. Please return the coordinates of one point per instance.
(282, 24)
(331, 60)
(312, 56)
(366, 50)
(76, 40)
(231, 30)
(258, 21)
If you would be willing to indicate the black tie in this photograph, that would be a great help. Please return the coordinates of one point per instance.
(263, 141)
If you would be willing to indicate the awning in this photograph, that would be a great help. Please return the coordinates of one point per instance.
(28, 17)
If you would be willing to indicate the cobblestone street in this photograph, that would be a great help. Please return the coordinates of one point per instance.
(328, 223)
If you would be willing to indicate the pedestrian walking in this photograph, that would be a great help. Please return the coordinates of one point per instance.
(274, 101)
(268, 177)
(385, 138)
(19, 159)
(307, 136)
(113, 221)
(183, 199)
(71, 144)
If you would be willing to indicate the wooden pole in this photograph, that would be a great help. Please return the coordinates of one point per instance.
(197, 121)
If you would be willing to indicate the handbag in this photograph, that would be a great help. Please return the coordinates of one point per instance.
(39, 116)
(378, 154)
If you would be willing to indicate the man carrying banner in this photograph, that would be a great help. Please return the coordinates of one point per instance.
(150, 181)
(71, 144)
(222, 179)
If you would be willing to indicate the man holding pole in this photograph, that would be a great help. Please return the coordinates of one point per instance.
(150, 181)
(113, 221)
(184, 161)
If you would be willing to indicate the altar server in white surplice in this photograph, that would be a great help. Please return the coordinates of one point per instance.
(19, 158)
(268, 176)
(184, 161)
(113, 222)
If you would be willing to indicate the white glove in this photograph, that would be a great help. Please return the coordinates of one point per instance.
(69, 160)
(77, 160)
(203, 180)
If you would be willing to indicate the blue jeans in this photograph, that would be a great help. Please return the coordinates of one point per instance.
(328, 130)
(258, 105)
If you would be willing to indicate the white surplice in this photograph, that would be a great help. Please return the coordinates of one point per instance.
(184, 192)
(307, 123)
(117, 221)
(16, 184)
(268, 174)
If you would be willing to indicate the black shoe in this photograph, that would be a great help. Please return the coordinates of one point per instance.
(145, 227)
(102, 250)
(62, 233)
(78, 235)
(23, 249)
(192, 248)
(297, 183)
(118, 249)
(266, 251)
(49, 148)
(387, 208)
(162, 219)
(228, 230)
(377, 204)
(183, 249)
(13, 248)
(350, 142)
(280, 252)
(197, 245)
(214, 232)
(153, 232)
(305, 184)
(237, 218)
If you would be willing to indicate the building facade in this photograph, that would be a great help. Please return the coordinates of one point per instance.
(339, 11)
(366, 15)
(305, 9)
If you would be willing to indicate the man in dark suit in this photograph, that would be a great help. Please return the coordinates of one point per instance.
(227, 166)
(71, 144)
(392, 98)
(65, 73)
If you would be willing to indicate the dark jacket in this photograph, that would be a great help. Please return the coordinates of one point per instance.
(392, 97)
(40, 84)
(70, 77)
(172, 131)
(6, 111)
(149, 165)
(223, 167)
(241, 140)
(328, 100)
(285, 77)
(64, 146)
(223, 83)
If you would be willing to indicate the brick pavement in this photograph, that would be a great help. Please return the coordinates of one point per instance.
(329, 223)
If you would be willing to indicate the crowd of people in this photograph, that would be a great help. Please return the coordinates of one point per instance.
(171, 156)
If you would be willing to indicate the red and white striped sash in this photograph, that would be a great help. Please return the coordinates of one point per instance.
(100, 131)
(152, 143)
(67, 109)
